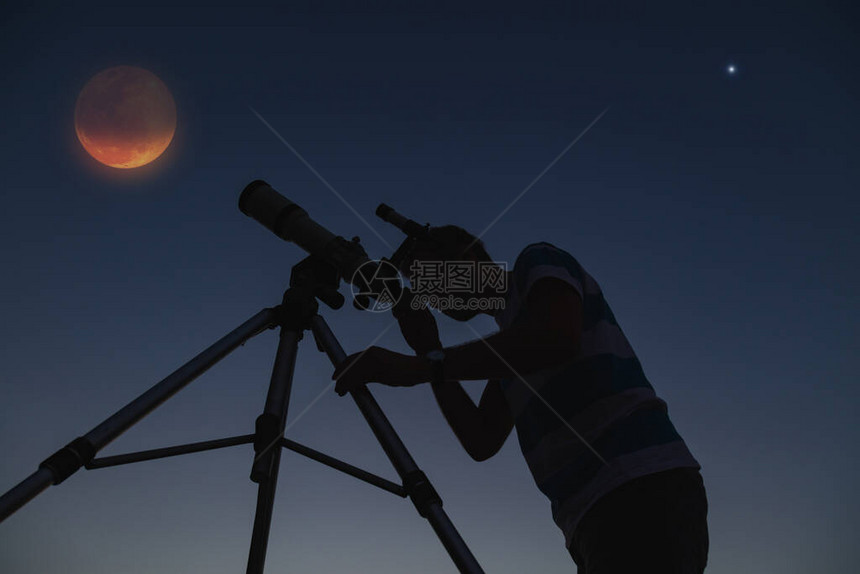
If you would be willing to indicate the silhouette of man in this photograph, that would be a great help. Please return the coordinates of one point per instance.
(623, 486)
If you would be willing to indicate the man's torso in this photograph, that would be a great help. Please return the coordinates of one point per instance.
(597, 422)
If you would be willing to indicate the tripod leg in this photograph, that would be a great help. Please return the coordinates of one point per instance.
(267, 445)
(263, 518)
(417, 485)
(68, 460)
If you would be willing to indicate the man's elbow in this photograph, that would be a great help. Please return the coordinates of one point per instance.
(482, 453)
(483, 448)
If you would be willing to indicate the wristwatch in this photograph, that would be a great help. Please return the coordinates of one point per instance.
(436, 358)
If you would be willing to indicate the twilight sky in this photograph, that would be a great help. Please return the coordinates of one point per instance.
(719, 213)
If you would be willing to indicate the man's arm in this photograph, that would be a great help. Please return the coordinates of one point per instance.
(547, 336)
(481, 429)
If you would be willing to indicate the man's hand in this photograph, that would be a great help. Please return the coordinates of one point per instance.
(378, 365)
(420, 331)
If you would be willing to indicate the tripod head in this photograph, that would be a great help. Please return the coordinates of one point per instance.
(319, 279)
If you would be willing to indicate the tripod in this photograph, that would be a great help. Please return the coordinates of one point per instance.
(310, 279)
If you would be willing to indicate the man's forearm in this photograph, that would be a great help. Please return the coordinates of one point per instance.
(462, 414)
(509, 353)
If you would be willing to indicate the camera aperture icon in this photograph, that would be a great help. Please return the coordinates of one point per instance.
(376, 286)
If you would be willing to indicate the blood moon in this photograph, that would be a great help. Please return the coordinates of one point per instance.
(125, 117)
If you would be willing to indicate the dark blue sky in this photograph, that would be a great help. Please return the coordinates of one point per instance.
(719, 213)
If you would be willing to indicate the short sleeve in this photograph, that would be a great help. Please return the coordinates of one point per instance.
(540, 260)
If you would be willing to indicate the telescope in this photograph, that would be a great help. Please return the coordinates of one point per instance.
(290, 222)
(316, 277)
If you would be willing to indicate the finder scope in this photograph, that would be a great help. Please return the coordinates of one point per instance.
(408, 226)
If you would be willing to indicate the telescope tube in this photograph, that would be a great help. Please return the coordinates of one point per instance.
(292, 223)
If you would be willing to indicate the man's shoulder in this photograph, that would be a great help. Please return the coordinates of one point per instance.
(544, 253)
(542, 245)
(543, 259)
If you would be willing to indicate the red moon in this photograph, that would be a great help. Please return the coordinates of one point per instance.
(125, 117)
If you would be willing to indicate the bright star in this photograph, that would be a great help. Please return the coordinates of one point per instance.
(731, 69)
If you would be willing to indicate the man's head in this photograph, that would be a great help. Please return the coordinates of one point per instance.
(447, 243)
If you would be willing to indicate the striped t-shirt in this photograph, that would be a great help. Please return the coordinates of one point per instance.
(600, 397)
